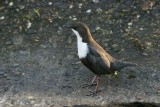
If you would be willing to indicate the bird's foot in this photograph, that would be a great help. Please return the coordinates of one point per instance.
(93, 93)
(89, 85)
(92, 83)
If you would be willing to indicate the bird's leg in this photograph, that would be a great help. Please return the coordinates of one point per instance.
(97, 86)
(93, 93)
(95, 77)
(92, 82)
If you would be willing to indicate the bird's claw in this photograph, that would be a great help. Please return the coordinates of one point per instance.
(93, 93)
(88, 85)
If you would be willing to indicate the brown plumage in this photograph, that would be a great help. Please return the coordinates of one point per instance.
(96, 58)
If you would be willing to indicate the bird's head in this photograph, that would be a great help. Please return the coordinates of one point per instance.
(81, 30)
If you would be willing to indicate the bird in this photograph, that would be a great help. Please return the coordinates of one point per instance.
(93, 56)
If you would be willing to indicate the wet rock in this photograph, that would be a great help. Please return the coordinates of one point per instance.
(116, 47)
(137, 42)
(24, 52)
(159, 92)
(43, 46)
(15, 65)
(80, 5)
(17, 73)
(2, 71)
(44, 70)
(17, 40)
(59, 30)
(9, 42)
(66, 86)
(157, 77)
(129, 73)
(144, 54)
(78, 62)
(73, 17)
(21, 7)
(148, 45)
(69, 40)
(76, 65)
(69, 56)
(99, 10)
(2, 8)
(66, 74)
(24, 102)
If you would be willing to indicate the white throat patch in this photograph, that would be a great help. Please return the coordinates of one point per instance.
(82, 47)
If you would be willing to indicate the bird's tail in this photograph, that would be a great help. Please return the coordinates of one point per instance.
(119, 64)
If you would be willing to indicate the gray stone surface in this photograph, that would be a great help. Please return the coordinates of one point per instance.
(39, 66)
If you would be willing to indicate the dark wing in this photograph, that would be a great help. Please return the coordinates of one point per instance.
(98, 58)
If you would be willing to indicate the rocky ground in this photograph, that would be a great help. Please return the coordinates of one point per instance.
(39, 66)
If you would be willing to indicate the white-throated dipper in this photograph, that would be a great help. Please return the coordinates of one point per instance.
(93, 56)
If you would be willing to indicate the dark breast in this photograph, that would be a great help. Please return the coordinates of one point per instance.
(95, 66)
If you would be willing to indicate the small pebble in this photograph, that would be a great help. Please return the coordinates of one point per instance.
(110, 32)
(99, 10)
(74, 18)
(30, 97)
(21, 7)
(24, 52)
(10, 3)
(32, 101)
(98, 28)
(114, 45)
(9, 42)
(144, 54)
(141, 29)
(138, 16)
(159, 92)
(71, 6)
(96, 1)
(139, 97)
(17, 40)
(80, 5)
(2, 17)
(50, 3)
(17, 73)
(28, 24)
(130, 24)
(15, 65)
(2, 72)
(88, 11)
(43, 46)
